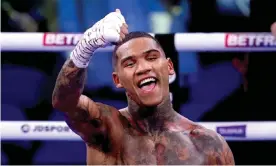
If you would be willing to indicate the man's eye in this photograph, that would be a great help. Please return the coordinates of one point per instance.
(151, 58)
(129, 64)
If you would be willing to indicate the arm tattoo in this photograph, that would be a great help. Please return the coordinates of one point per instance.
(214, 146)
(69, 84)
(224, 154)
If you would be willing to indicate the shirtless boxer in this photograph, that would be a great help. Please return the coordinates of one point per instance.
(148, 131)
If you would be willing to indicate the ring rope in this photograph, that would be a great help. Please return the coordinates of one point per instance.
(217, 42)
(58, 130)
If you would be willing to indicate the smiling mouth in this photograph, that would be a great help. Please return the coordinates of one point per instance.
(147, 84)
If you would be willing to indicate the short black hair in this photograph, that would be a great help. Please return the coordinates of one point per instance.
(129, 36)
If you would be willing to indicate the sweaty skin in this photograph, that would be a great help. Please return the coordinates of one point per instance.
(148, 131)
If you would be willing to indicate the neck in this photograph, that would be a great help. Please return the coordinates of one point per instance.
(152, 119)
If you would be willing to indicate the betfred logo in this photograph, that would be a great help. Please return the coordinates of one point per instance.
(58, 39)
(250, 40)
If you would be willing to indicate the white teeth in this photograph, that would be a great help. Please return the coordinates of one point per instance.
(146, 81)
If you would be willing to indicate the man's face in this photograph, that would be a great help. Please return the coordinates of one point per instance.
(143, 70)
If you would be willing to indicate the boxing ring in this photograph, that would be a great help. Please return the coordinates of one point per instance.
(200, 42)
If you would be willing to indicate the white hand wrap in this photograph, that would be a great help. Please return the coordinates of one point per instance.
(101, 34)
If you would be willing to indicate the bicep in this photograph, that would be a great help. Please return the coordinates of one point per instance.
(80, 119)
(94, 122)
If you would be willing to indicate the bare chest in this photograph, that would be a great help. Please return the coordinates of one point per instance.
(167, 148)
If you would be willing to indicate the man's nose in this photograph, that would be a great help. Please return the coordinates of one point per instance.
(143, 68)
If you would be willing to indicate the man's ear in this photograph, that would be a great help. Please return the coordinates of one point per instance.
(170, 67)
(116, 80)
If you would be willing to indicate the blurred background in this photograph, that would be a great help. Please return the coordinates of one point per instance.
(209, 86)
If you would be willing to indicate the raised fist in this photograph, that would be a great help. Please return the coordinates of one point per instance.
(111, 29)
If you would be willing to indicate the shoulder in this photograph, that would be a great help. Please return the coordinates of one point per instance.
(106, 110)
(198, 131)
(201, 130)
(117, 115)
(206, 136)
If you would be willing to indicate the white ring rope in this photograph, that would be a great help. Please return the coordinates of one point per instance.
(241, 42)
(58, 130)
